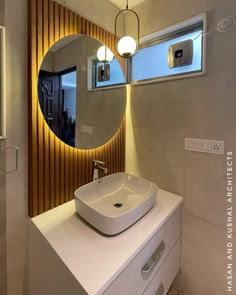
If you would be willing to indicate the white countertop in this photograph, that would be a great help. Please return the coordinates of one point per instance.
(88, 254)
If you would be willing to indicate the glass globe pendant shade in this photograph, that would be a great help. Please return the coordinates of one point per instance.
(127, 46)
(104, 54)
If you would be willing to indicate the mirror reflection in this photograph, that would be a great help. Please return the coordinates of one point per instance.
(2, 84)
(81, 91)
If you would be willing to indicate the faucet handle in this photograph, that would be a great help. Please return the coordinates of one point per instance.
(96, 162)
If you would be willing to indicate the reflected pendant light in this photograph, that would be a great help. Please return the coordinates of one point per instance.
(128, 45)
(104, 54)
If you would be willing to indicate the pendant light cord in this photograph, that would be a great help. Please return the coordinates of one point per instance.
(127, 4)
(217, 27)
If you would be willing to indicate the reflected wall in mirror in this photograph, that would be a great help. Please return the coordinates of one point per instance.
(82, 99)
(2, 84)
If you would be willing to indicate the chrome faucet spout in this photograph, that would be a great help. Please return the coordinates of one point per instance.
(98, 168)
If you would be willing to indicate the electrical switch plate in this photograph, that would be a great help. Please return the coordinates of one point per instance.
(87, 129)
(204, 146)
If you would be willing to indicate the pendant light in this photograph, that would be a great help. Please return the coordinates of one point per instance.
(128, 45)
(104, 54)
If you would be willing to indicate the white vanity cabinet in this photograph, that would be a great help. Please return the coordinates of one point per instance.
(163, 279)
(66, 256)
(149, 261)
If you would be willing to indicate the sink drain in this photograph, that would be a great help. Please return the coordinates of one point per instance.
(118, 204)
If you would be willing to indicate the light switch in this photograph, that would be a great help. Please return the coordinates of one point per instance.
(204, 146)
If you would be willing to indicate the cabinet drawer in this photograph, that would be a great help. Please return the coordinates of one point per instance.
(139, 273)
(163, 279)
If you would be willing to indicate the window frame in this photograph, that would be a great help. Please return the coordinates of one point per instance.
(180, 29)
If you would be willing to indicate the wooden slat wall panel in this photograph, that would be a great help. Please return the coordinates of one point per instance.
(45, 129)
(56, 169)
(52, 146)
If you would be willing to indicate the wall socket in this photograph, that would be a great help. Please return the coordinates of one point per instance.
(204, 146)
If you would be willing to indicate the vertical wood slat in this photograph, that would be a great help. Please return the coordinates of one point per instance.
(71, 23)
(62, 147)
(66, 174)
(62, 21)
(71, 174)
(66, 22)
(41, 159)
(33, 187)
(56, 169)
(83, 26)
(46, 130)
(56, 36)
(52, 170)
(79, 24)
(56, 21)
(75, 23)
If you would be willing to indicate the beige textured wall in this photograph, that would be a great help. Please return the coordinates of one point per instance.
(1, 12)
(163, 114)
(1, 84)
(2, 222)
(2, 200)
(17, 134)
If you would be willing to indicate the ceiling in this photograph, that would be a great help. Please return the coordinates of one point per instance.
(122, 3)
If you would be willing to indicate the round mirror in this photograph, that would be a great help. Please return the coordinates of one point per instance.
(81, 94)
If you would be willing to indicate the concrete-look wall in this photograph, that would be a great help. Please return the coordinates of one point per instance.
(17, 134)
(163, 114)
(1, 12)
(3, 281)
(2, 199)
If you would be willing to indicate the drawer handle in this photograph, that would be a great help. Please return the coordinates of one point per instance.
(153, 260)
(160, 290)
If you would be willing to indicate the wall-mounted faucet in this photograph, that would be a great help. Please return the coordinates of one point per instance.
(98, 167)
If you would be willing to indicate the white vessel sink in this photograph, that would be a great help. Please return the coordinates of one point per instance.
(114, 203)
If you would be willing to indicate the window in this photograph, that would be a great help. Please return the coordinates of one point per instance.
(113, 78)
(151, 61)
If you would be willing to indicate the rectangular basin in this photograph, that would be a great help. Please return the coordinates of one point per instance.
(114, 203)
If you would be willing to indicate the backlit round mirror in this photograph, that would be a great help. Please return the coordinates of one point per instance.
(81, 91)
